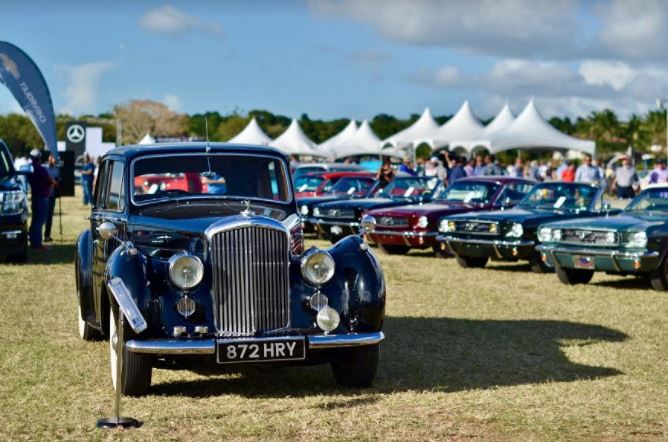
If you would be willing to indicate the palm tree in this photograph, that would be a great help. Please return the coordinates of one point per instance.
(655, 125)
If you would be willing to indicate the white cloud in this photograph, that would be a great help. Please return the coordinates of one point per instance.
(81, 90)
(173, 102)
(510, 27)
(616, 74)
(172, 21)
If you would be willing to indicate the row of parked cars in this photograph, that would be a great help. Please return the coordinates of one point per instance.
(561, 227)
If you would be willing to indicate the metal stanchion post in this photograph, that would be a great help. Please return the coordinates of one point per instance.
(117, 420)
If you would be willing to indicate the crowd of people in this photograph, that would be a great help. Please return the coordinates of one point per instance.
(623, 181)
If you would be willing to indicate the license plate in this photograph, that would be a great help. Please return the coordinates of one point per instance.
(260, 349)
(583, 262)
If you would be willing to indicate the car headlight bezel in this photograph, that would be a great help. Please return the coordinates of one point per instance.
(197, 272)
(446, 226)
(316, 211)
(516, 230)
(308, 261)
(544, 234)
(637, 240)
(12, 202)
(556, 235)
(423, 222)
(303, 210)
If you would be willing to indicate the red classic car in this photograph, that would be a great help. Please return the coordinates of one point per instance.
(398, 229)
(317, 184)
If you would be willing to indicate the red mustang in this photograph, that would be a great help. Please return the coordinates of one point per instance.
(317, 184)
(398, 229)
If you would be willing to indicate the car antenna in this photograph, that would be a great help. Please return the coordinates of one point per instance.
(209, 173)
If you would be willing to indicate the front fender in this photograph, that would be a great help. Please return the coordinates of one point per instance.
(132, 270)
(358, 287)
(83, 262)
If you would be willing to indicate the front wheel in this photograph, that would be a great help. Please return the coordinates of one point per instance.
(574, 276)
(136, 368)
(471, 261)
(356, 367)
(394, 249)
(658, 278)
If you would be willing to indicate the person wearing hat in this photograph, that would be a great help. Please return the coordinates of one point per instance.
(405, 167)
(625, 179)
(41, 185)
(659, 174)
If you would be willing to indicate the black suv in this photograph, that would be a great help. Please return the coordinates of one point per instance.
(13, 211)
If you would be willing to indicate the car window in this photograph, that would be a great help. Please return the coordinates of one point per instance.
(116, 194)
(514, 192)
(651, 200)
(217, 175)
(100, 189)
(6, 165)
(560, 196)
(469, 192)
(308, 183)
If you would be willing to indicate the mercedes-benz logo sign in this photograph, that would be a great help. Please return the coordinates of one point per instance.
(76, 133)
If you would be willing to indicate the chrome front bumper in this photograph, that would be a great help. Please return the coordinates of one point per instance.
(323, 222)
(513, 248)
(620, 261)
(208, 346)
(408, 234)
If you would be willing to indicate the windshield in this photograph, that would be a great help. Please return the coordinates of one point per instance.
(351, 186)
(469, 192)
(305, 170)
(307, 183)
(234, 176)
(560, 196)
(409, 186)
(651, 200)
(6, 166)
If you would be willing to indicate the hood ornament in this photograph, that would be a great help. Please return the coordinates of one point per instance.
(247, 211)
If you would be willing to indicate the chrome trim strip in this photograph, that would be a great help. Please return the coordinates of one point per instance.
(173, 347)
(493, 243)
(238, 221)
(337, 223)
(408, 234)
(348, 340)
(597, 252)
(208, 346)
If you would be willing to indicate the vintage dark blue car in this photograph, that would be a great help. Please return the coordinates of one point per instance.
(337, 219)
(510, 234)
(13, 211)
(634, 242)
(207, 241)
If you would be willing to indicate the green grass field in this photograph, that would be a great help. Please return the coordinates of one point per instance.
(497, 353)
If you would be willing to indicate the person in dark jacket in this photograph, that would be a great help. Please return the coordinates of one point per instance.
(54, 173)
(41, 185)
(457, 170)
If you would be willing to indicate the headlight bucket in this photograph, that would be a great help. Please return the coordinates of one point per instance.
(637, 239)
(12, 202)
(185, 270)
(544, 234)
(446, 226)
(304, 210)
(516, 231)
(317, 267)
(423, 222)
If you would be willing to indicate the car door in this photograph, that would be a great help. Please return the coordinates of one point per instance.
(110, 203)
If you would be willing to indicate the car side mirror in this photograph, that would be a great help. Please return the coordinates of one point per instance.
(367, 225)
(107, 230)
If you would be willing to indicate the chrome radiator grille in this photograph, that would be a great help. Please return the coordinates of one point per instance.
(250, 280)
(477, 227)
(589, 237)
(392, 221)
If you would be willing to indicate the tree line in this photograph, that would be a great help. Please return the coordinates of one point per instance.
(134, 119)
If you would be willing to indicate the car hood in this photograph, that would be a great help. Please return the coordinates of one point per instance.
(309, 201)
(433, 209)
(362, 204)
(622, 222)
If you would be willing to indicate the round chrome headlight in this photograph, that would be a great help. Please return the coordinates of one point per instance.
(423, 221)
(185, 270)
(317, 266)
(328, 319)
(446, 226)
(516, 230)
(637, 239)
(544, 234)
(303, 210)
(611, 237)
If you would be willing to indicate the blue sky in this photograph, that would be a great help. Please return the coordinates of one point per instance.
(346, 58)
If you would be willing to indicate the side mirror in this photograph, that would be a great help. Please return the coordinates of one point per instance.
(367, 225)
(107, 230)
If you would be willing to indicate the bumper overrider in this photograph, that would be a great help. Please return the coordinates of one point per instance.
(208, 346)
(609, 260)
(408, 237)
(480, 247)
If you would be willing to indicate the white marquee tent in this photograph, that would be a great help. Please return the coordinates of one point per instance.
(415, 134)
(461, 131)
(502, 120)
(364, 142)
(331, 144)
(148, 139)
(294, 142)
(252, 134)
(531, 131)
